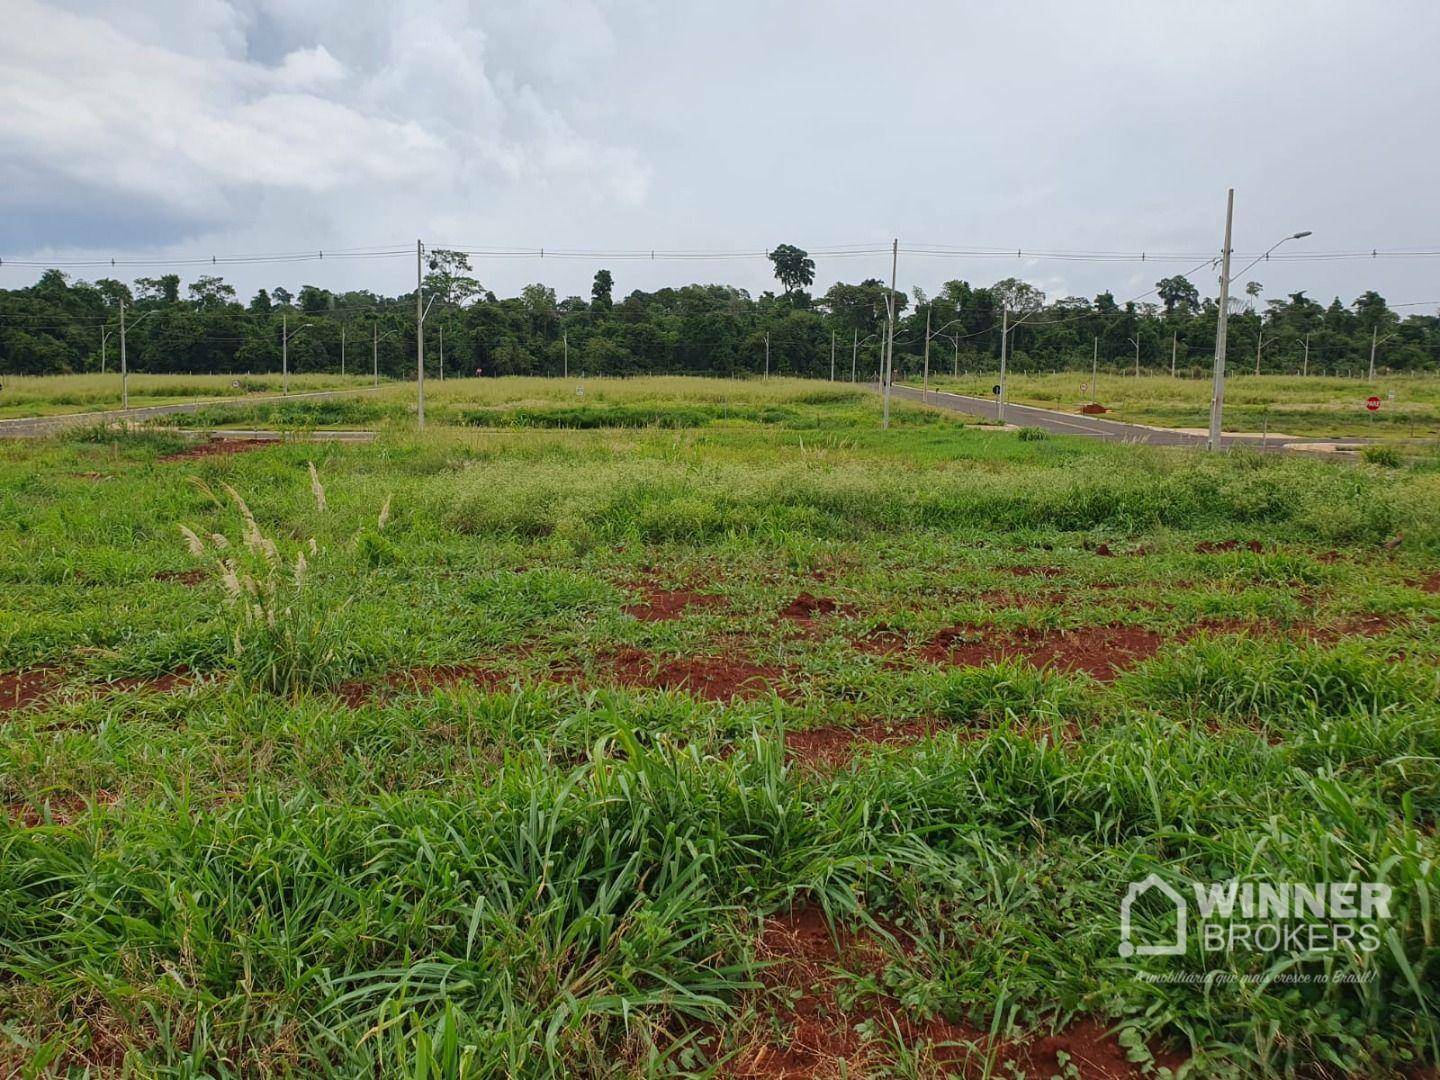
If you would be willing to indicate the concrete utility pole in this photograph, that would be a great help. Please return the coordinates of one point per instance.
(925, 384)
(375, 353)
(1136, 342)
(889, 368)
(1217, 392)
(854, 353)
(832, 355)
(441, 328)
(1004, 348)
(957, 355)
(342, 348)
(1259, 344)
(1305, 368)
(767, 353)
(565, 337)
(1174, 345)
(419, 338)
(284, 353)
(124, 367)
(1095, 372)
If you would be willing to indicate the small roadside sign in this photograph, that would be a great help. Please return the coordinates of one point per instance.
(1372, 403)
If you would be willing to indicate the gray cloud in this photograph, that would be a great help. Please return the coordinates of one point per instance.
(199, 126)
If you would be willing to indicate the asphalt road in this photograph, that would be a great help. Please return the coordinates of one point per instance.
(1074, 424)
(29, 427)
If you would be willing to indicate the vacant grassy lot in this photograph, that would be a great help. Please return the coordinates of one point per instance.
(1317, 406)
(690, 725)
(48, 395)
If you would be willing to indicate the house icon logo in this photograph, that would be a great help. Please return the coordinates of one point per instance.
(1137, 889)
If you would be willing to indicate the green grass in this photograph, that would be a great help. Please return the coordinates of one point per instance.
(307, 862)
(1318, 406)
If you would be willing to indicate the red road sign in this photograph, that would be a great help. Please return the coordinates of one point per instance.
(1372, 403)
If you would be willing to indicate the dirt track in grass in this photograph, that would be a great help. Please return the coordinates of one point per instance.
(218, 448)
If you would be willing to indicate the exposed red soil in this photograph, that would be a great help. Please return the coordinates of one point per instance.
(807, 606)
(806, 968)
(828, 747)
(1099, 651)
(1328, 557)
(1103, 550)
(21, 688)
(158, 684)
(1035, 571)
(1431, 584)
(356, 694)
(62, 809)
(1003, 598)
(663, 605)
(218, 447)
(1219, 547)
(713, 678)
(183, 577)
(882, 641)
(1093, 408)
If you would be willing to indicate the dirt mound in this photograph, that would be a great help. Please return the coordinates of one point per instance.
(818, 1037)
(156, 684)
(1431, 584)
(807, 606)
(20, 688)
(663, 605)
(806, 968)
(828, 747)
(1093, 408)
(418, 679)
(183, 577)
(1219, 547)
(1098, 651)
(57, 809)
(713, 678)
(218, 447)
(882, 641)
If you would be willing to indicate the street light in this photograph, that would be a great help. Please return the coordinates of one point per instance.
(925, 386)
(285, 337)
(124, 365)
(1217, 397)
(378, 337)
(1374, 343)
(1005, 329)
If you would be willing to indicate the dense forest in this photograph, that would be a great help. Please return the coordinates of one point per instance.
(60, 325)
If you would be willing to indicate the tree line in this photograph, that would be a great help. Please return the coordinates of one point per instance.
(58, 325)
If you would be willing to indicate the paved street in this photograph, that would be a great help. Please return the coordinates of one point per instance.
(29, 427)
(1095, 427)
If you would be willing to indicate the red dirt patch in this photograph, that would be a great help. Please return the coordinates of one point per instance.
(1093, 408)
(1098, 651)
(61, 809)
(1219, 547)
(1431, 584)
(158, 684)
(805, 967)
(218, 447)
(806, 607)
(190, 578)
(1035, 571)
(828, 747)
(713, 678)
(882, 641)
(820, 1039)
(663, 605)
(356, 694)
(21, 688)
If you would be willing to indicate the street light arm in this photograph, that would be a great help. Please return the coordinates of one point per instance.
(1283, 240)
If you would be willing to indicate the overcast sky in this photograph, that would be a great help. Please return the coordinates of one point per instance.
(163, 128)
